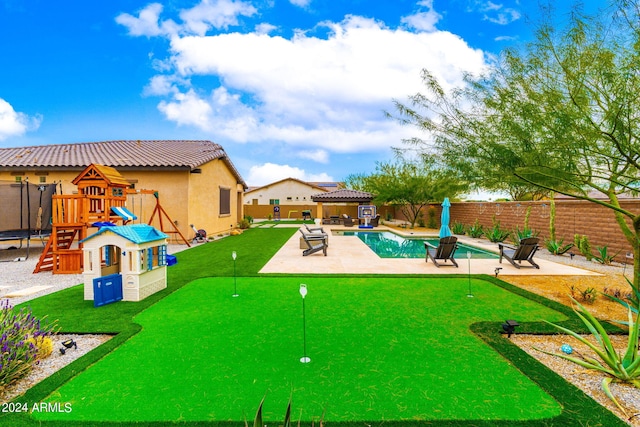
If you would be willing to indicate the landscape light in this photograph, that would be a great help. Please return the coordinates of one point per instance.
(509, 327)
(68, 344)
(498, 270)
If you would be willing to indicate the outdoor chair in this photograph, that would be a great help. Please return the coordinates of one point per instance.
(444, 251)
(374, 221)
(317, 231)
(315, 242)
(347, 221)
(523, 252)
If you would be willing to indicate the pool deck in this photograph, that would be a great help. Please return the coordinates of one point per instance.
(349, 255)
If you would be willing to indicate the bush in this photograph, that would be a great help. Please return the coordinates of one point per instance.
(244, 224)
(20, 334)
(582, 243)
(457, 228)
(432, 223)
(556, 247)
(496, 234)
(475, 230)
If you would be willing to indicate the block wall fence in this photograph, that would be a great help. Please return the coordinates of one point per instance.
(572, 217)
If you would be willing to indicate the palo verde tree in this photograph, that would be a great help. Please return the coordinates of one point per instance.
(560, 114)
(408, 185)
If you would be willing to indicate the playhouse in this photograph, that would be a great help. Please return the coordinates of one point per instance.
(126, 262)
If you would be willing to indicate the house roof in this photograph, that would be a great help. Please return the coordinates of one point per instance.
(313, 186)
(343, 195)
(136, 233)
(179, 154)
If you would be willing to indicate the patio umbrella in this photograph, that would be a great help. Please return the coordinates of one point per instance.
(444, 219)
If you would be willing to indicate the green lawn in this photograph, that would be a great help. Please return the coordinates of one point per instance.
(382, 349)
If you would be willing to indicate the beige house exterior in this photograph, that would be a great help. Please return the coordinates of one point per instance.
(290, 197)
(196, 181)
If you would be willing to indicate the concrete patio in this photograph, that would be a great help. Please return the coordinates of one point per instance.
(349, 255)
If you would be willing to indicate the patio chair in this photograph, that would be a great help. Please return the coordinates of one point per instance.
(317, 231)
(347, 221)
(444, 251)
(315, 242)
(523, 252)
(374, 221)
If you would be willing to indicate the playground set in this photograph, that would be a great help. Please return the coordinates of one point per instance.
(67, 219)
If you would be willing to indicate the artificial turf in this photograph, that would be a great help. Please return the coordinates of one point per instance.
(255, 247)
(382, 349)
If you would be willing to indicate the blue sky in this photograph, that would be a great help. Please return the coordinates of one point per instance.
(288, 87)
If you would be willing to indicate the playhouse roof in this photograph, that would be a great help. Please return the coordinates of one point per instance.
(136, 233)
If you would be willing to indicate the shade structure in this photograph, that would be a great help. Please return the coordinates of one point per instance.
(444, 219)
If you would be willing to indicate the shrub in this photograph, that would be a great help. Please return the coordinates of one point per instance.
(44, 346)
(525, 233)
(432, 223)
(457, 228)
(388, 216)
(603, 256)
(20, 332)
(496, 234)
(249, 218)
(582, 243)
(475, 230)
(244, 224)
(587, 295)
(556, 247)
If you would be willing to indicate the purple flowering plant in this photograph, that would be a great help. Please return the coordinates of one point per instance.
(18, 353)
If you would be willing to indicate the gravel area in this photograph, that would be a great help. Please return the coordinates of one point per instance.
(588, 381)
(53, 363)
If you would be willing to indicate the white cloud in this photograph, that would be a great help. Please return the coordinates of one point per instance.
(187, 109)
(218, 14)
(301, 3)
(207, 14)
(423, 21)
(269, 172)
(319, 155)
(319, 93)
(13, 123)
(497, 12)
(265, 28)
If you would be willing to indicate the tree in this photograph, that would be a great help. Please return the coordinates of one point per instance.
(408, 185)
(561, 114)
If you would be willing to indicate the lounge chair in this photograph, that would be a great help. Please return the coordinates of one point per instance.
(444, 251)
(314, 229)
(315, 242)
(347, 221)
(523, 252)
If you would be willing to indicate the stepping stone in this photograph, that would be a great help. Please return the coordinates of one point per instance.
(26, 291)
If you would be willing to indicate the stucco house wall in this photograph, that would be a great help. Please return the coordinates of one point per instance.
(288, 191)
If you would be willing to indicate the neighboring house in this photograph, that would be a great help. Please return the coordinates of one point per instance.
(196, 181)
(287, 198)
(288, 191)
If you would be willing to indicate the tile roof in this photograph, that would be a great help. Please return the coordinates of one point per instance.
(133, 154)
(136, 233)
(286, 179)
(343, 195)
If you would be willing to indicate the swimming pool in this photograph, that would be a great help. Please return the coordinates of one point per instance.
(391, 245)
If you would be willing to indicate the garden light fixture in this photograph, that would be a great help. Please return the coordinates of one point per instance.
(235, 284)
(509, 327)
(498, 270)
(304, 358)
(68, 344)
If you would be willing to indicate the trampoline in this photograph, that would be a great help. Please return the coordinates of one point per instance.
(25, 212)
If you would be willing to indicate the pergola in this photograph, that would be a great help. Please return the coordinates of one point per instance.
(341, 196)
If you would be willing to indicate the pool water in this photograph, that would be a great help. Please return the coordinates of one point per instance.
(391, 245)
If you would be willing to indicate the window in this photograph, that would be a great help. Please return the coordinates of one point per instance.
(117, 192)
(18, 179)
(225, 201)
(274, 201)
(43, 179)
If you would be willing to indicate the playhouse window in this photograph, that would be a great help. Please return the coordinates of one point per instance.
(143, 259)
